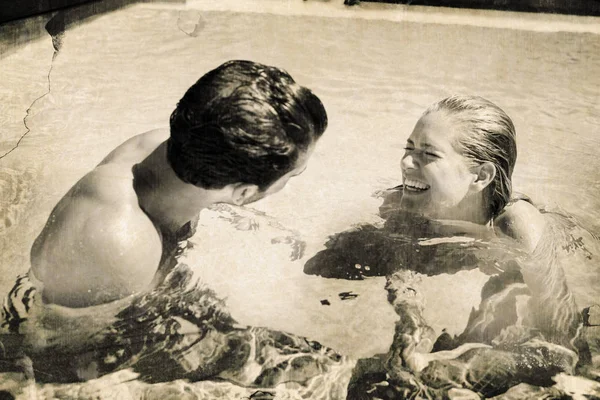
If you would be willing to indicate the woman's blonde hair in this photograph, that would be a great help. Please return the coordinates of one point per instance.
(487, 134)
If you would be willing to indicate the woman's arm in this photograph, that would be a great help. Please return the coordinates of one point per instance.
(554, 310)
(522, 222)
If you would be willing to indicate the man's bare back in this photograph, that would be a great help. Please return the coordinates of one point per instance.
(112, 234)
(98, 244)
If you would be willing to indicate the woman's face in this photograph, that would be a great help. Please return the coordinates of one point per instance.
(436, 177)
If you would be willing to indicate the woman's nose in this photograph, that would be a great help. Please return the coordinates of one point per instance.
(409, 162)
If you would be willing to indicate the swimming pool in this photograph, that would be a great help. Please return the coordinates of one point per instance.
(122, 73)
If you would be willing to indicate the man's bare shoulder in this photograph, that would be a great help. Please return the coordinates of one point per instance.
(107, 183)
(138, 147)
(99, 234)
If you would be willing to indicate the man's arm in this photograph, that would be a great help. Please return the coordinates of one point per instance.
(97, 246)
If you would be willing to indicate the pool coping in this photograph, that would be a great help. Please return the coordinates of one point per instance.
(537, 22)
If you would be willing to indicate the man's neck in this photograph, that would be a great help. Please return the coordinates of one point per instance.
(167, 200)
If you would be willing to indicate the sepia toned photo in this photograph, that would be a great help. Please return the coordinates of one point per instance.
(300, 199)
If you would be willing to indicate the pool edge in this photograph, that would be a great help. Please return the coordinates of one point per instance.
(537, 22)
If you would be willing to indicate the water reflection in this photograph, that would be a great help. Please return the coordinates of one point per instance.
(526, 329)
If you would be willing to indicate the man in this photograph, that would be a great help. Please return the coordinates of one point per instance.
(238, 134)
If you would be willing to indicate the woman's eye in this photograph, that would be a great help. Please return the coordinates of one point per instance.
(427, 153)
(409, 148)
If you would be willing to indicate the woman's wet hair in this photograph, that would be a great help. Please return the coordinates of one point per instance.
(486, 134)
(243, 122)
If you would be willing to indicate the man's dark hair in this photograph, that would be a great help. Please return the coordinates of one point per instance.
(242, 122)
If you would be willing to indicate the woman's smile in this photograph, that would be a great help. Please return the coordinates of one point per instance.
(415, 186)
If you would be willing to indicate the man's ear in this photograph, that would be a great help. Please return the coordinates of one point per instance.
(243, 192)
(484, 175)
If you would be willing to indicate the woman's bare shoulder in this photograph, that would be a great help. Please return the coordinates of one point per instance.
(523, 222)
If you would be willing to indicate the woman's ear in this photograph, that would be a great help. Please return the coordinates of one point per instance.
(485, 174)
(243, 193)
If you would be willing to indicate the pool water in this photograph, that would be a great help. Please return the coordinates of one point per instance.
(121, 74)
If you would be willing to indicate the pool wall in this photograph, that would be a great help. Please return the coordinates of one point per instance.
(576, 7)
